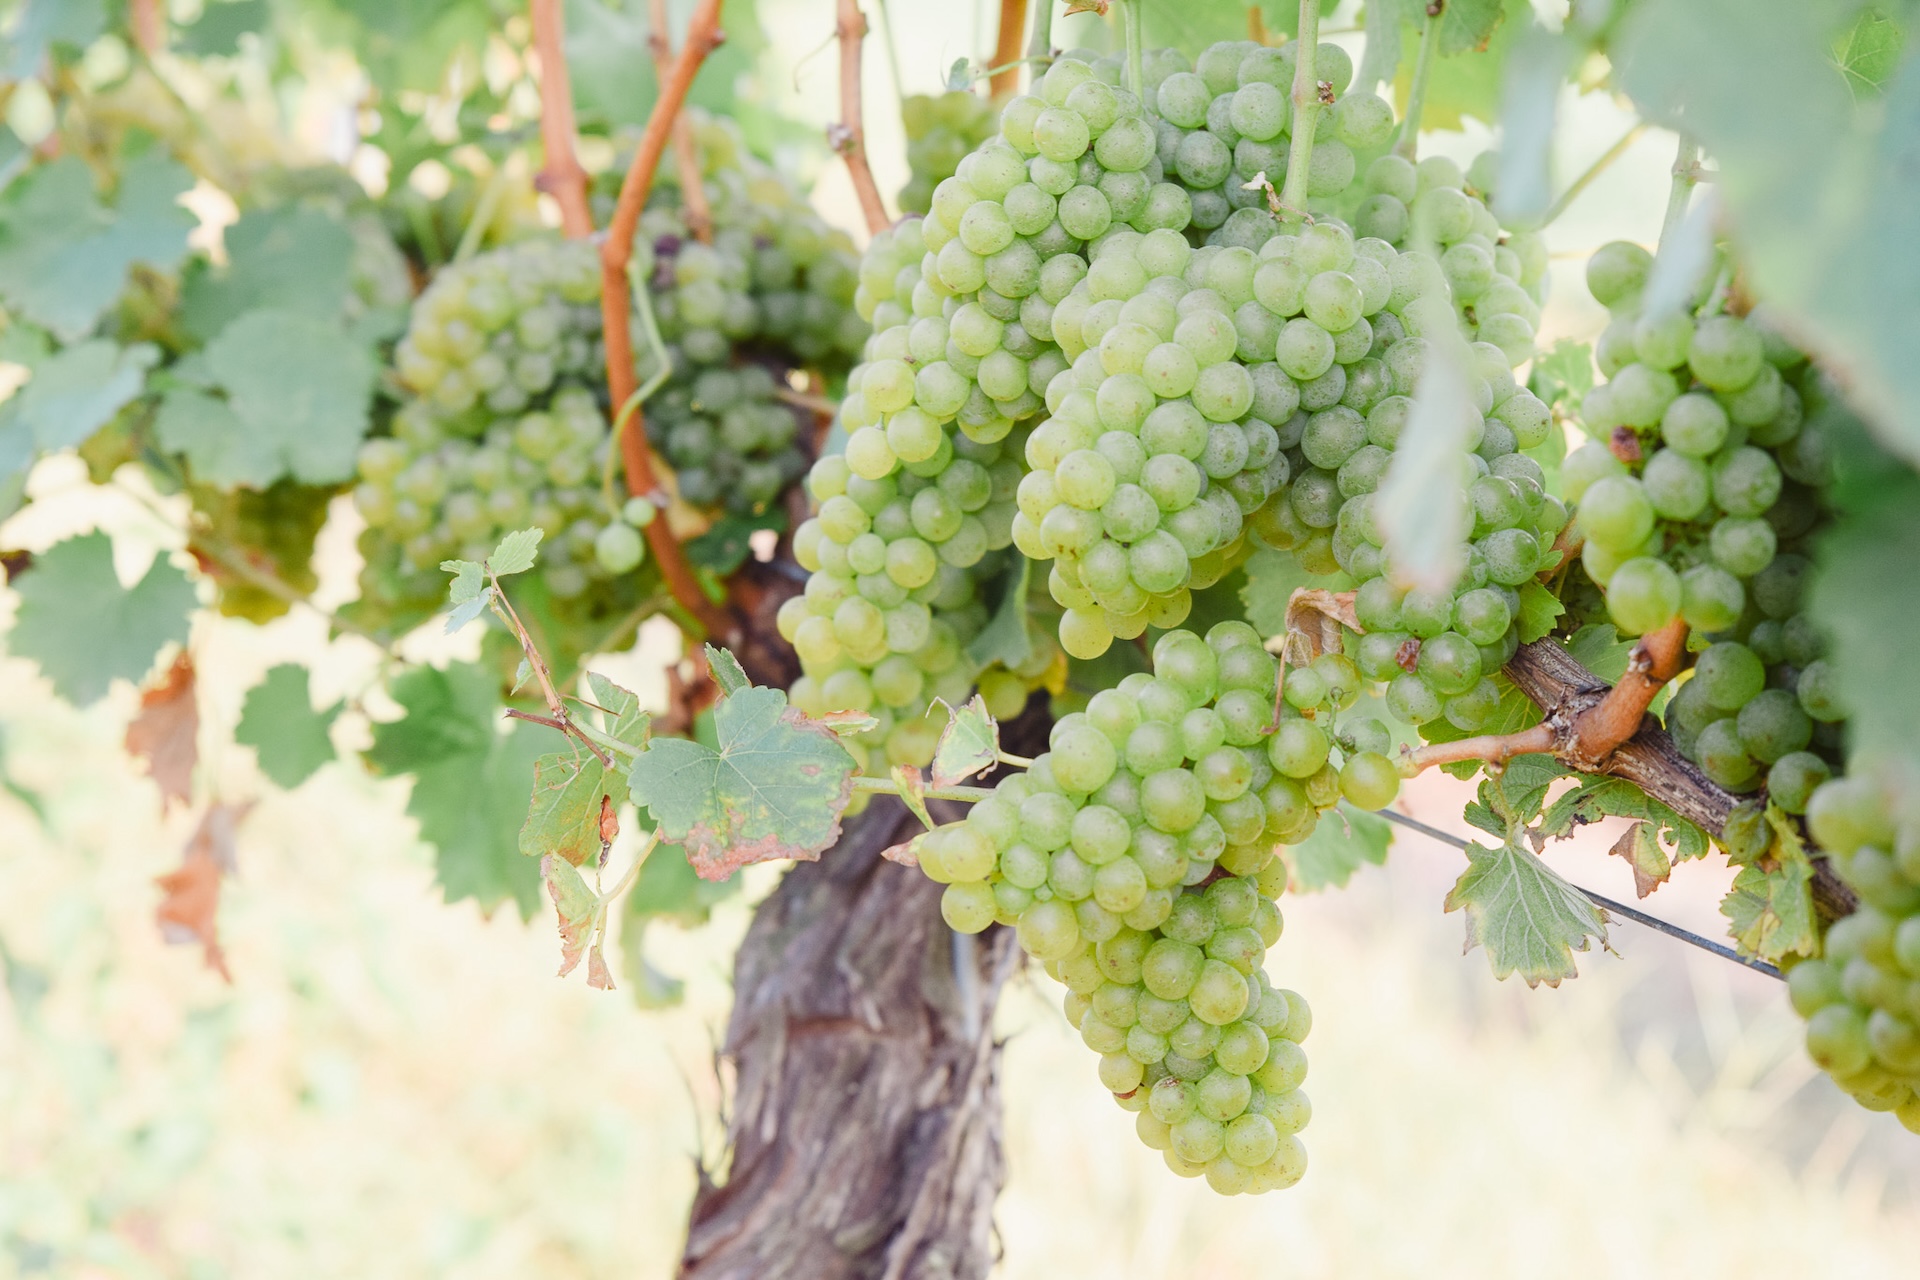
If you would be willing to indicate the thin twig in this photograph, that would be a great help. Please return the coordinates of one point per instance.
(1608, 904)
(849, 136)
(1494, 748)
(616, 305)
(686, 156)
(887, 786)
(484, 210)
(884, 23)
(1423, 62)
(562, 178)
(1006, 50)
(1593, 171)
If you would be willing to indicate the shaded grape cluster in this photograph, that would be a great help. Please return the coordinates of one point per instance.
(1861, 997)
(941, 130)
(1698, 496)
(732, 441)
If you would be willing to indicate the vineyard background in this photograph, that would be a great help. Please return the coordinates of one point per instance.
(395, 1087)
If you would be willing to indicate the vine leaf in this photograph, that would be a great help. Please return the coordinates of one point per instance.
(191, 908)
(1869, 54)
(576, 905)
(726, 670)
(75, 393)
(1539, 610)
(624, 719)
(1339, 846)
(1528, 919)
(516, 552)
(969, 743)
(1639, 845)
(165, 733)
(85, 629)
(1599, 648)
(1007, 637)
(278, 720)
(64, 256)
(216, 444)
(774, 788)
(913, 792)
(1597, 798)
(298, 258)
(1511, 798)
(300, 385)
(1770, 905)
(1563, 374)
(470, 780)
(571, 795)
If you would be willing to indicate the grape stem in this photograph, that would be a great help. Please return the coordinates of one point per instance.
(1685, 176)
(616, 253)
(562, 178)
(1409, 142)
(1130, 18)
(864, 783)
(1309, 94)
(849, 136)
(537, 663)
(1006, 49)
(686, 157)
(1040, 44)
(1494, 748)
(1592, 172)
(1013, 761)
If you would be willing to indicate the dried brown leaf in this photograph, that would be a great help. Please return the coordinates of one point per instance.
(1639, 844)
(191, 908)
(166, 732)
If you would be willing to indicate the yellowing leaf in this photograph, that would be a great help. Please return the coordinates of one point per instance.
(1529, 920)
(969, 743)
(576, 905)
(563, 817)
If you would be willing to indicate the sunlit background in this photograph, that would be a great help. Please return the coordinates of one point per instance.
(392, 1087)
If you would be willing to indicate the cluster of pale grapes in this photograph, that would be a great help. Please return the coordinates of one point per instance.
(1697, 497)
(941, 130)
(731, 440)
(1137, 859)
(1861, 998)
(501, 429)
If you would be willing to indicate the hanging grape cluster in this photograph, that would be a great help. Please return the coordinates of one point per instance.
(941, 130)
(1698, 496)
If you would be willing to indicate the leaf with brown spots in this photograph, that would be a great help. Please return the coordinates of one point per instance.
(913, 792)
(564, 816)
(1315, 619)
(775, 788)
(1639, 844)
(599, 977)
(166, 732)
(190, 911)
(577, 906)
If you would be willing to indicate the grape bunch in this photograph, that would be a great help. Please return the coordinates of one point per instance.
(1861, 998)
(731, 440)
(501, 429)
(1498, 278)
(941, 130)
(1698, 495)
(1137, 859)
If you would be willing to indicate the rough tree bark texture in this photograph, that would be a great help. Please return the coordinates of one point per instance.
(865, 1127)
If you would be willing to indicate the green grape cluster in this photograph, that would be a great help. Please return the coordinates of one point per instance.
(1498, 278)
(732, 441)
(1861, 998)
(1136, 857)
(1697, 497)
(941, 130)
(502, 428)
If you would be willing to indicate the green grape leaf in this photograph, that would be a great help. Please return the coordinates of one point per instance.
(470, 780)
(85, 629)
(216, 444)
(576, 906)
(1770, 905)
(299, 384)
(1539, 610)
(1599, 648)
(64, 257)
(1467, 81)
(775, 787)
(75, 393)
(217, 31)
(726, 670)
(41, 24)
(469, 580)
(1468, 24)
(1512, 797)
(1272, 578)
(279, 722)
(1342, 842)
(516, 552)
(969, 743)
(624, 720)
(1380, 55)
(570, 812)
(1599, 797)
(1869, 53)
(1528, 919)
(298, 258)
(1005, 639)
(1563, 374)
(726, 545)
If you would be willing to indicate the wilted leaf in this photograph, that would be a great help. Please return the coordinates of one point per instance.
(278, 721)
(1597, 798)
(913, 792)
(85, 629)
(1529, 920)
(775, 788)
(969, 743)
(570, 789)
(190, 911)
(599, 977)
(1639, 845)
(165, 733)
(1317, 620)
(576, 905)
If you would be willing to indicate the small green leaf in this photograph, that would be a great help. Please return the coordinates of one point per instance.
(75, 393)
(1512, 713)
(1596, 798)
(969, 743)
(1005, 639)
(461, 614)
(1529, 920)
(469, 579)
(775, 788)
(1599, 648)
(85, 629)
(1539, 610)
(299, 384)
(516, 553)
(1563, 374)
(1340, 845)
(216, 444)
(1869, 54)
(576, 906)
(725, 546)
(1516, 792)
(563, 817)
(726, 670)
(278, 721)
(1770, 906)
